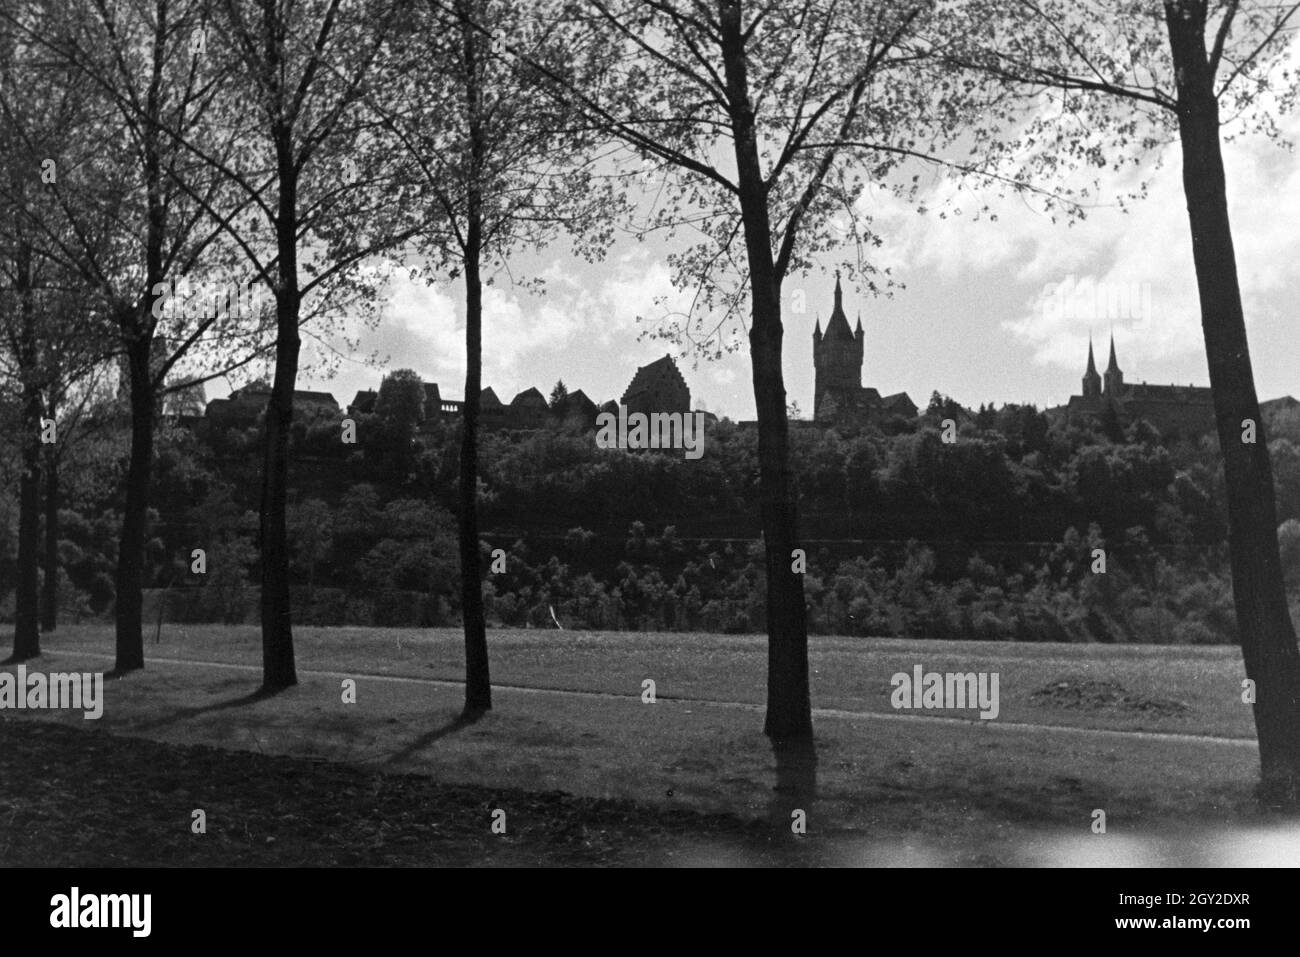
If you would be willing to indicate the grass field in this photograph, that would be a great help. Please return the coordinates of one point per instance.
(1157, 738)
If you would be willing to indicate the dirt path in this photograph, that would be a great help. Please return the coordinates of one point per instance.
(992, 725)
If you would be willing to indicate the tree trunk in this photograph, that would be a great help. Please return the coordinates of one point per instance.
(478, 682)
(1268, 640)
(137, 327)
(789, 705)
(50, 586)
(277, 626)
(277, 629)
(27, 643)
(129, 602)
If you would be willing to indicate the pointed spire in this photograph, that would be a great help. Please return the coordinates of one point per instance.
(858, 330)
(1113, 366)
(1092, 364)
(837, 326)
(817, 329)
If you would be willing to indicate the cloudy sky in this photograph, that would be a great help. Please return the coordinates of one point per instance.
(991, 311)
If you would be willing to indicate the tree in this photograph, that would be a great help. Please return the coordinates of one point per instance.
(559, 394)
(125, 220)
(75, 377)
(1141, 73)
(312, 525)
(758, 123)
(498, 165)
(302, 71)
(22, 343)
(399, 407)
(46, 345)
(1110, 424)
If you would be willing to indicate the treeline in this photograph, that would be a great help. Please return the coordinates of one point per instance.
(995, 536)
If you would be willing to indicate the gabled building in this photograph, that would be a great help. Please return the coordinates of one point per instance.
(363, 403)
(492, 412)
(657, 387)
(576, 409)
(528, 410)
(314, 403)
(900, 404)
(242, 407)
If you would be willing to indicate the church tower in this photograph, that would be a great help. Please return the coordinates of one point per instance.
(837, 359)
(1091, 380)
(1114, 378)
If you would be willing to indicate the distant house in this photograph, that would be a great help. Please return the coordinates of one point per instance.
(576, 409)
(900, 403)
(307, 403)
(492, 413)
(363, 403)
(1275, 406)
(242, 407)
(434, 413)
(528, 410)
(658, 387)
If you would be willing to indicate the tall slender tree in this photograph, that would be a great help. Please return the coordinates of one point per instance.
(124, 217)
(757, 123)
(22, 343)
(499, 166)
(1111, 83)
(44, 347)
(303, 73)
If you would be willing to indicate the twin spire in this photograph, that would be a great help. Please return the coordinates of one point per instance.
(1092, 382)
(1112, 366)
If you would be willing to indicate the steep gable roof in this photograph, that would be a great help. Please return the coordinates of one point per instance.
(649, 377)
(576, 402)
(529, 396)
(898, 402)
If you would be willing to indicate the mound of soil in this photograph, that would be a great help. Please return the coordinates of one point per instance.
(1088, 694)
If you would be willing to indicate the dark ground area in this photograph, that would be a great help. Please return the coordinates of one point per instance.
(81, 799)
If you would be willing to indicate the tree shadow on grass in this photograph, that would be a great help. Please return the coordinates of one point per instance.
(184, 714)
(459, 723)
(796, 781)
(18, 659)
